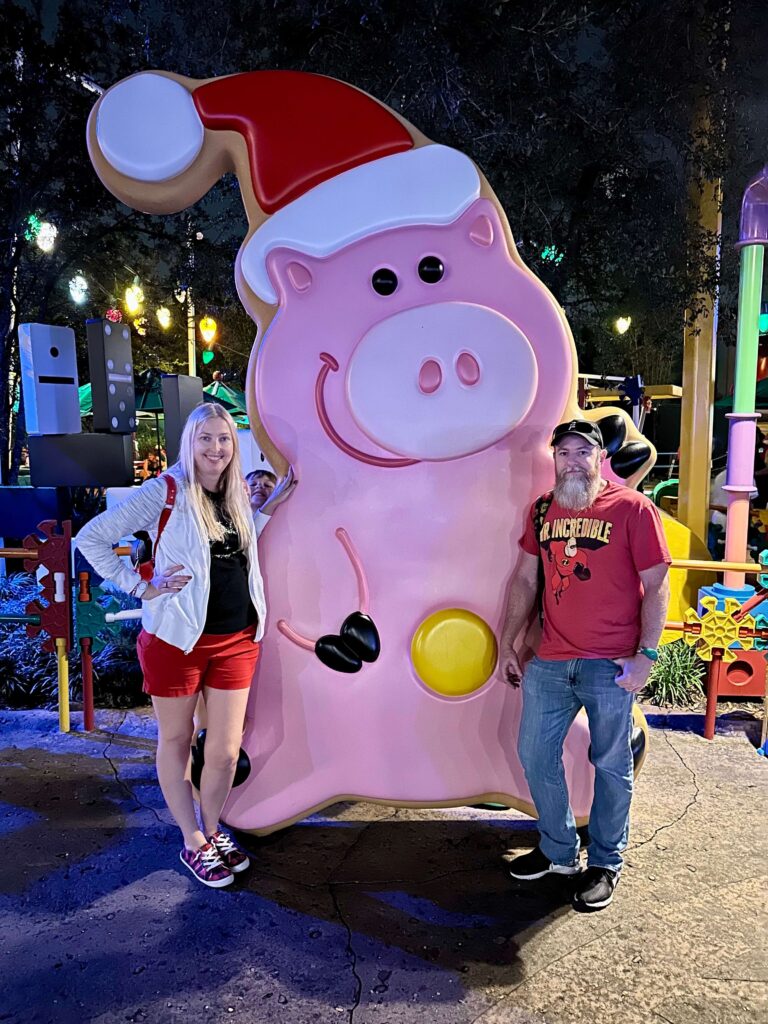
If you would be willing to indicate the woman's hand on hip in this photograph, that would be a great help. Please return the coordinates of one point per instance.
(167, 582)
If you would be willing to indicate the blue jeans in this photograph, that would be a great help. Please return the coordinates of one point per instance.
(553, 694)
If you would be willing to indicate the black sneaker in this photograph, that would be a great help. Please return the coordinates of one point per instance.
(535, 865)
(595, 888)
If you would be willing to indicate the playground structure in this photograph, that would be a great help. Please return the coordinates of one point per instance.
(51, 558)
(727, 639)
(721, 630)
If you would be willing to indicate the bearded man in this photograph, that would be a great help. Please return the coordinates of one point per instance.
(598, 645)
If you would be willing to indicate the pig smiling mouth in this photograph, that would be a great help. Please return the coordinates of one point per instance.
(331, 364)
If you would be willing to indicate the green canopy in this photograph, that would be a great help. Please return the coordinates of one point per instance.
(233, 399)
(761, 397)
(86, 400)
(149, 396)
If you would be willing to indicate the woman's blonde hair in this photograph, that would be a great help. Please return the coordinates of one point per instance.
(231, 483)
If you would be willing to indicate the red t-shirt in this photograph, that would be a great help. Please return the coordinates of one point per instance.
(592, 558)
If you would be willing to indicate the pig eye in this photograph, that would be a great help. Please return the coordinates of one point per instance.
(384, 281)
(431, 269)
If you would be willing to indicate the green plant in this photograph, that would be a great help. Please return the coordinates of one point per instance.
(677, 677)
(28, 676)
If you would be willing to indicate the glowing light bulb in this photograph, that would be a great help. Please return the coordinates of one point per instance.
(164, 317)
(134, 297)
(208, 328)
(78, 289)
(622, 324)
(46, 236)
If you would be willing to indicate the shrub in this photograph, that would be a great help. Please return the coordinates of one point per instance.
(677, 677)
(28, 676)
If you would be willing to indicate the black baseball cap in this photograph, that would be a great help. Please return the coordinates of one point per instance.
(580, 428)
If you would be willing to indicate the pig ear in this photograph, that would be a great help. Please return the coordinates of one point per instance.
(146, 139)
(481, 230)
(290, 270)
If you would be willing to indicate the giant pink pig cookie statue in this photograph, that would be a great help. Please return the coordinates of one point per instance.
(411, 369)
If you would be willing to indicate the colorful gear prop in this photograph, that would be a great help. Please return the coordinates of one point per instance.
(53, 555)
(90, 618)
(718, 630)
(761, 625)
(762, 579)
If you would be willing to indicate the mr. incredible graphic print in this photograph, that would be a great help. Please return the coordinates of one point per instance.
(592, 559)
(566, 543)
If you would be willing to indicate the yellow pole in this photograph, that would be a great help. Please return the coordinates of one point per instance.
(691, 563)
(699, 345)
(62, 667)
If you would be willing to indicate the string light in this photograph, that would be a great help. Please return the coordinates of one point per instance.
(134, 297)
(78, 289)
(208, 328)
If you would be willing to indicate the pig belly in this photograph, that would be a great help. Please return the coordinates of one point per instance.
(315, 736)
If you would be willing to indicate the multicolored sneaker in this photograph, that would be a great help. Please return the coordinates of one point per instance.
(232, 856)
(207, 866)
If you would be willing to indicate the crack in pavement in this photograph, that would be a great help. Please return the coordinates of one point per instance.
(353, 882)
(352, 955)
(735, 881)
(350, 949)
(124, 785)
(688, 806)
(544, 967)
(737, 981)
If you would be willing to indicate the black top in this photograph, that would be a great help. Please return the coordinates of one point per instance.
(230, 608)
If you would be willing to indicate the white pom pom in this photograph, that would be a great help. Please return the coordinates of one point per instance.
(148, 127)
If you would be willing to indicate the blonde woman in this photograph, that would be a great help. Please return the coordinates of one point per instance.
(202, 621)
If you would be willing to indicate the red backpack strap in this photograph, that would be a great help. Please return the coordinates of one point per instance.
(165, 515)
(147, 569)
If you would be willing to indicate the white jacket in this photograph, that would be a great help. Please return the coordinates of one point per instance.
(179, 617)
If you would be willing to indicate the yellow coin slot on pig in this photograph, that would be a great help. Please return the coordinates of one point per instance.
(454, 652)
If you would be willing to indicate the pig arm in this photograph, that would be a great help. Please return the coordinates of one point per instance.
(283, 490)
(522, 597)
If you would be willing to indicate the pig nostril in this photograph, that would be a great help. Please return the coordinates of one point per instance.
(430, 376)
(467, 369)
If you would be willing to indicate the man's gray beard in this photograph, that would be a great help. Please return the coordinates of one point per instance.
(575, 491)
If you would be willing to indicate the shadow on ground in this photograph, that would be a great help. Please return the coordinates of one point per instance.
(103, 914)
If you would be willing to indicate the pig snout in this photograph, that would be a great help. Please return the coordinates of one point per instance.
(441, 381)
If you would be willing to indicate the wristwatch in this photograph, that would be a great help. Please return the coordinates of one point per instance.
(650, 652)
(140, 589)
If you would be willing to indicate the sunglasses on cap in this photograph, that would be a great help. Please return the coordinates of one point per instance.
(580, 428)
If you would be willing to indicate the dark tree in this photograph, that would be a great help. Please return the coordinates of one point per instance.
(589, 119)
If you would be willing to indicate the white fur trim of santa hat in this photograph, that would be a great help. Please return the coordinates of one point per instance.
(430, 185)
(148, 128)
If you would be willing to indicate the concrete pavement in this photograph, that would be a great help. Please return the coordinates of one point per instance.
(374, 915)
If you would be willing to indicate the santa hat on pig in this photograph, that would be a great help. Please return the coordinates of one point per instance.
(323, 164)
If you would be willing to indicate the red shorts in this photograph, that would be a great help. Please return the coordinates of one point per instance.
(223, 662)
